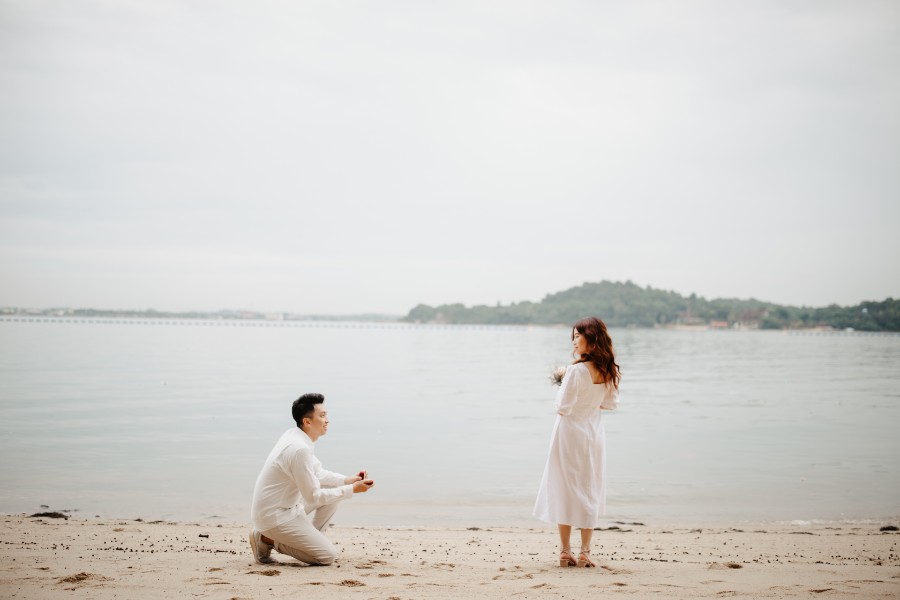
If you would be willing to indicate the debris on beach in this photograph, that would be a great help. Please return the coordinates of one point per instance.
(50, 515)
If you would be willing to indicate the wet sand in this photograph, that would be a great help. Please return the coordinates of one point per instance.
(57, 558)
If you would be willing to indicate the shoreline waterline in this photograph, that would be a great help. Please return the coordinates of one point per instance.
(385, 517)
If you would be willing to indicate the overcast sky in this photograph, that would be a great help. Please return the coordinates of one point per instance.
(345, 157)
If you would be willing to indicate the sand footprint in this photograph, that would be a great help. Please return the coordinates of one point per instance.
(83, 580)
(616, 571)
(370, 564)
(266, 572)
(82, 577)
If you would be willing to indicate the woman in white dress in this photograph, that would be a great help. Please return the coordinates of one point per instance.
(573, 488)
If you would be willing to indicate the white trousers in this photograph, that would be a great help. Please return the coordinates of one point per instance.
(302, 536)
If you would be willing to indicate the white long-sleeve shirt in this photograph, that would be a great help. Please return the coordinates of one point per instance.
(293, 482)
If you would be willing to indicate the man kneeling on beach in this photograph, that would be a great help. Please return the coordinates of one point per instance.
(295, 498)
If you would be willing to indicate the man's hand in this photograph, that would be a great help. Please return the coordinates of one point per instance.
(360, 483)
(360, 487)
(355, 478)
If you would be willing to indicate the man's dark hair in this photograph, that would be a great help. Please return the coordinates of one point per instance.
(304, 406)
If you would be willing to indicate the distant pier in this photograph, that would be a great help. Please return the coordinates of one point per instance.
(303, 324)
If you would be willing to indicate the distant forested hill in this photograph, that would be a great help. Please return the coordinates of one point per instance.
(627, 304)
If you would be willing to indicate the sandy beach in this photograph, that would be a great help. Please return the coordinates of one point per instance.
(45, 557)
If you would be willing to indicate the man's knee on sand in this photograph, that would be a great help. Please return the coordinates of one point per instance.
(324, 553)
(325, 556)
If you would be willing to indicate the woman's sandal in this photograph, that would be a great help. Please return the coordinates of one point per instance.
(584, 559)
(566, 559)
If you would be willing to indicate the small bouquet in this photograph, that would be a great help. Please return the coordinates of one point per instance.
(557, 375)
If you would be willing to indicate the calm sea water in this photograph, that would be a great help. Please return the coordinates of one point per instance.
(453, 423)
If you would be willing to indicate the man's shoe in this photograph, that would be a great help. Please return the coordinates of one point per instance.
(261, 550)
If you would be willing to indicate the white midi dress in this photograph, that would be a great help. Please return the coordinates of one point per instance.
(573, 488)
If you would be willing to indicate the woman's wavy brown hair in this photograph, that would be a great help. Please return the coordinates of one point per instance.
(600, 348)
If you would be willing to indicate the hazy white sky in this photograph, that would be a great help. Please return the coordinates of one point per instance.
(342, 157)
